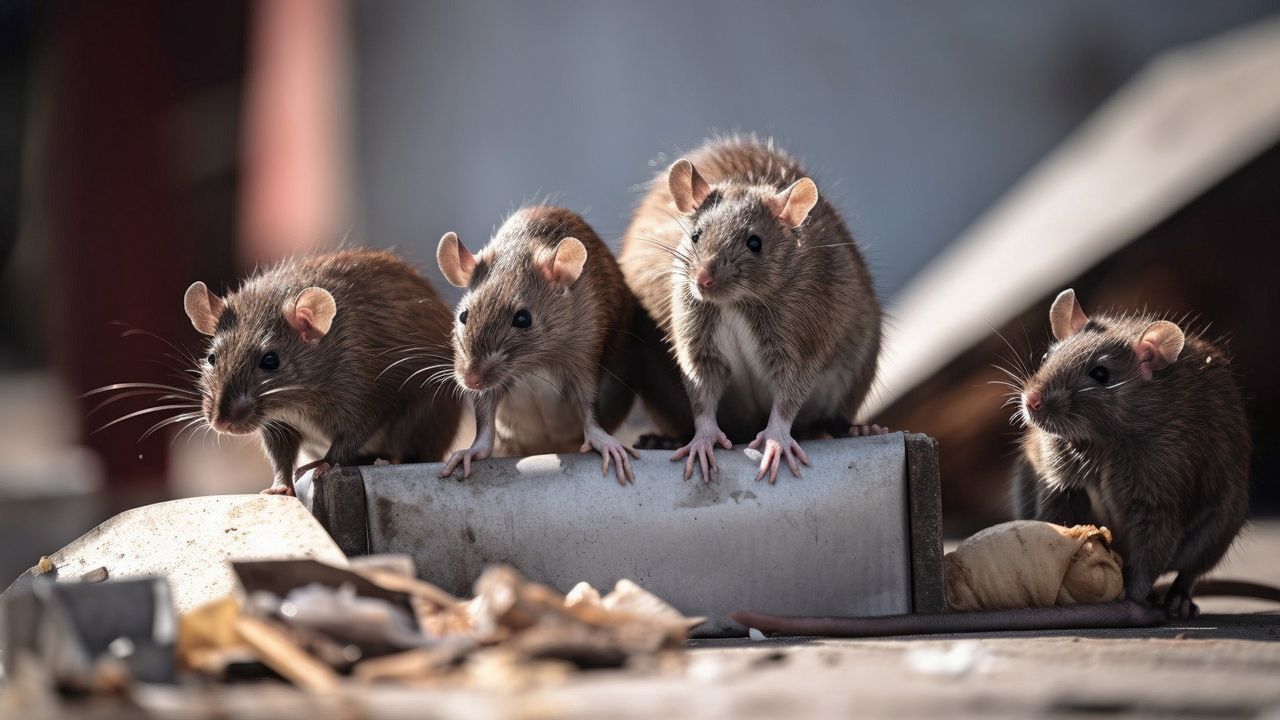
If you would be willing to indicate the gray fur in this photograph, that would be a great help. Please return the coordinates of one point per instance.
(803, 308)
(1163, 462)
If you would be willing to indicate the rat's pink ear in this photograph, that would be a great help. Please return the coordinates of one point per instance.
(311, 313)
(1066, 317)
(792, 205)
(203, 307)
(687, 187)
(456, 261)
(566, 266)
(1159, 347)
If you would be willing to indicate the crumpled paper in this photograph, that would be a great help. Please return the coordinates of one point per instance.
(1028, 563)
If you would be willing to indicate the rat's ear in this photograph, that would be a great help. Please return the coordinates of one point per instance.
(1159, 347)
(566, 266)
(311, 313)
(456, 261)
(687, 186)
(203, 307)
(792, 205)
(1066, 317)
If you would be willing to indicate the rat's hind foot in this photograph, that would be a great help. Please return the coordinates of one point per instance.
(1177, 602)
(654, 441)
(867, 430)
(842, 428)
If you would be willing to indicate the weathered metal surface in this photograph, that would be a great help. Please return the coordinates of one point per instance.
(337, 500)
(834, 542)
(924, 501)
(189, 541)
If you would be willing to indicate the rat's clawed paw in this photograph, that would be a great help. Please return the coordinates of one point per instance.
(475, 452)
(611, 450)
(278, 490)
(702, 451)
(1178, 605)
(867, 430)
(777, 445)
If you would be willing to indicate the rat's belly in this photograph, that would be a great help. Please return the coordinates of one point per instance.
(748, 398)
(535, 417)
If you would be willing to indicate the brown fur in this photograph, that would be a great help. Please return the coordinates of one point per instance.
(575, 333)
(807, 299)
(359, 391)
(1163, 462)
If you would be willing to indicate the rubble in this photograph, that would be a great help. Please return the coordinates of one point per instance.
(322, 628)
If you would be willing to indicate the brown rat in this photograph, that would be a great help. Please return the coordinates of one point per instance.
(764, 298)
(1136, 423)
(537, 337)
(331, 350)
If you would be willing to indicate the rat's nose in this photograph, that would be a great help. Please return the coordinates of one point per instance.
(233, 413)
(1033, 400)
(704, 278)
(473, 380)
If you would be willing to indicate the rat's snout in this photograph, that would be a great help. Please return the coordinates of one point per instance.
(233, 415)
(1033, 400)
(473, 380)
(476, 375)
(704, 277)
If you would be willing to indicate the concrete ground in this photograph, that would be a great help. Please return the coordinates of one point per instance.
(1225, 664)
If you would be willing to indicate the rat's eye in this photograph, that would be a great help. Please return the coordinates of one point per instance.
(695, 235)
(269, 361)
(754, 244)
(210, 359)
(462, 317)
(522, 319)
(1101, 374)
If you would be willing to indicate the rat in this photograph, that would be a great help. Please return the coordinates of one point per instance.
(330, 350)
(537, 339)
(766, 303)
(1135, 423)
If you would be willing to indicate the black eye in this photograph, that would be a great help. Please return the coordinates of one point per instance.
(1100, 374)
(754, 244)
(269, 361)
(695, 235)
(462, 317)
(522, 319)
(211, 358)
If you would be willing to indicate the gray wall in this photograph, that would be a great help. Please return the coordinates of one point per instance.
(912, 116)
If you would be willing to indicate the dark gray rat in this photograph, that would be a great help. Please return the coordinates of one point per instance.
(764, 299)
(1137, 424)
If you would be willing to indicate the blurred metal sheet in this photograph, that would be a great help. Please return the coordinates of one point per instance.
(835, 542)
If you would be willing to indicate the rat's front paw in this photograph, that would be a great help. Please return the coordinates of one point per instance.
(280, 489)
(775, 445)
(611, 450)
(702, 451)
(475, 452)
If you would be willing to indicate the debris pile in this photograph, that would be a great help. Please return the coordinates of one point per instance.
(321, 627)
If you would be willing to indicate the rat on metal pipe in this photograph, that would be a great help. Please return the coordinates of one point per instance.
(537, 339)
(766, 303)
(1136, 423)
(328, 351)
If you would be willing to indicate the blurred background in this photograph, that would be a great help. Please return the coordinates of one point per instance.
(987, 154)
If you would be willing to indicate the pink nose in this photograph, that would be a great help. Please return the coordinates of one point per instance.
(704, 278)
(473, 380)
(1033, 399)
